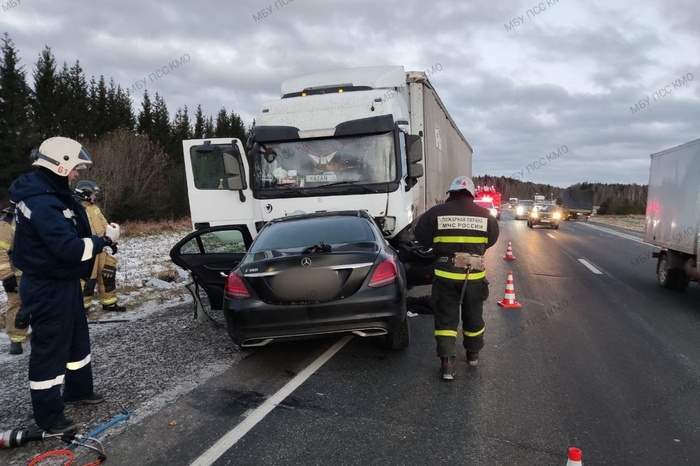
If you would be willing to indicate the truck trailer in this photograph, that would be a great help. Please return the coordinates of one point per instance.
(673, 214)
(373, 138)
(577, 204)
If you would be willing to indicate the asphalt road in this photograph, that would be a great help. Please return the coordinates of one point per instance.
(599, 357)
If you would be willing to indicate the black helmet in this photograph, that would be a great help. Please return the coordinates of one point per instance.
(85, 188)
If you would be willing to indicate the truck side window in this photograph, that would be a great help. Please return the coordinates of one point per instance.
(208, 168)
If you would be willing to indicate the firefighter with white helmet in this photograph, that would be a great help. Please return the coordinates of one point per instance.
(54, 248)
(105, 270)
(459, 232)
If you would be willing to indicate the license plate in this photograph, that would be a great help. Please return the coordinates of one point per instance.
(321, 178)
(545, 220)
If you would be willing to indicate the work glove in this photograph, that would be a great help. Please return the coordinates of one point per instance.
(10, 284)
(113, 231)
(22, 318)
(110, 244)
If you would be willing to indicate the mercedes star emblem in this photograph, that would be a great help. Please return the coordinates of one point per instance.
(306, 262)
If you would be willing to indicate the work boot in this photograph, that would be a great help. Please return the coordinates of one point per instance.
(16, 347)
(93, 399)
(473, 358)
(113, 308)
(447, 368)
(62, 426)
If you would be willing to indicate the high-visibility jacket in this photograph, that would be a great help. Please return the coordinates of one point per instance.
(7, 234)
(458, 225)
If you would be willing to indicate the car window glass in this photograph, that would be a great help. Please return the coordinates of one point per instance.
(216, 242)
(303, 233)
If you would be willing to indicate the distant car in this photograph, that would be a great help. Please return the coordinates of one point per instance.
(549, 215)
(512, 202)
(522, 210)
(489, 205)
(304, 276)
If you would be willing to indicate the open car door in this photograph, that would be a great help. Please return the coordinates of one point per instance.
(210, 254)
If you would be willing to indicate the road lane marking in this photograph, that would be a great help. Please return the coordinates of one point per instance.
(590, 266)
(551, 236)
(613, 232)
(237, 433)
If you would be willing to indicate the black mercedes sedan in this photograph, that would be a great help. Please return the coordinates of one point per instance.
(313, 275)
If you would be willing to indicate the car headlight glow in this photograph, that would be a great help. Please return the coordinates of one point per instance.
(534, 215)
(519, 210)
(556, 216)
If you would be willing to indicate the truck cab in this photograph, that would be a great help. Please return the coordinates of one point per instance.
(372, 138)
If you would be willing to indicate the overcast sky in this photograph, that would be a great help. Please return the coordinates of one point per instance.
(566, 74)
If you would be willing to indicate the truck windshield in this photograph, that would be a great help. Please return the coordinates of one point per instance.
(318, 162)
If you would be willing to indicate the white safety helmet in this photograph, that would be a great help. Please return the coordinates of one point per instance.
(61, 155)
(462, 183)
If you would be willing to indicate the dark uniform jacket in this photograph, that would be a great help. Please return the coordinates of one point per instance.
(52, 237)
(458, 225)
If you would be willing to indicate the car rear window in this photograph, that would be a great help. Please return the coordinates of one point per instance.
(308, 232)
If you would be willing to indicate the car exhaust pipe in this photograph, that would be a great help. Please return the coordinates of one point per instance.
(256, 343)
(370, 332)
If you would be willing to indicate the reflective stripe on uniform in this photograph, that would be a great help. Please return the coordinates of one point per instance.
(5, 245)
(87, 252)
(474, 334)
(460, 276)
(4, 266)
(461, 239)
(26, 211)
(445, 333)
(46, 384)
(74, 366)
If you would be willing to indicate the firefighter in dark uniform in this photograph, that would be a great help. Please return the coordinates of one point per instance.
(459, 232)
(54, 249)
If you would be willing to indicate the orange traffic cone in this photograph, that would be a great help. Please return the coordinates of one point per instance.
(509, 253)
(574, 457)
(509, 299)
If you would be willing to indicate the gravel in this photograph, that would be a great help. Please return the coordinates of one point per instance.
(158, 354)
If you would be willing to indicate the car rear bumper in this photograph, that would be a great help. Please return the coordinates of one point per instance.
(370, 312)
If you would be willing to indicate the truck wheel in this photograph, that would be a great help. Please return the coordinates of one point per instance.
(673, 279)
(399, 337)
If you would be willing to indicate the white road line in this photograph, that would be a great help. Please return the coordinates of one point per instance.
(613, 232)
(590, 267)
(551, 236)
(237, 433)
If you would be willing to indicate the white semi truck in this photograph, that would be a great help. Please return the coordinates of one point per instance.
(373, 138)
(673, 214)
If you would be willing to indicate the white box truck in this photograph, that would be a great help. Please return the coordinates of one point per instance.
(673, 214)
(373, 138)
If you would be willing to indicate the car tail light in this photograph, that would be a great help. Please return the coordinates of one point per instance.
(384, 274)
(235, 288)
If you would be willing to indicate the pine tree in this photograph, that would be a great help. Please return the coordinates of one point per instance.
(101, 121)
(208, 129)
(46, 101)
(198, 130)
(222, 127)
(73, 112)
(16, 131)
(237, 127)
(144, 123)
(160, 133)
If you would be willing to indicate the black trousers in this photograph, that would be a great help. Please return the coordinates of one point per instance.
(60, 346)
(445, 296)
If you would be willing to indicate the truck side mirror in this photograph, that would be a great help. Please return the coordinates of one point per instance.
(234, 176)
(415, 155)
